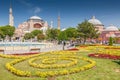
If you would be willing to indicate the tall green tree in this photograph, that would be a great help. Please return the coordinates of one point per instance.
(2, 36)
(87, 30)
(8, 31)
(62, 36)
(40, 37)
(110, 41)
(28, 36)
(52, 34)
(36, 32)
(71, 33)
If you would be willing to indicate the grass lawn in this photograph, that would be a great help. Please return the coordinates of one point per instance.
(105, 69)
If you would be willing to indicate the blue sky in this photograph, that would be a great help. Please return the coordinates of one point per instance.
(72, 12)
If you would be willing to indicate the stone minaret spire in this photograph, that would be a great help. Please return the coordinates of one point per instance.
(51, 25)
(59, 21)
(11, 18)
(93, 17)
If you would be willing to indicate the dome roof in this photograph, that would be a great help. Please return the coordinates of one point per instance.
(94, 21)
(35, 17)
(112, 28)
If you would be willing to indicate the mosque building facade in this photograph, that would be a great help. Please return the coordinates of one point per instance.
(97, 24)
(105, 33)
(33, 23)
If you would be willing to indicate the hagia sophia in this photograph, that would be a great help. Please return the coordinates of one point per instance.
(37, 23)
(33, 23)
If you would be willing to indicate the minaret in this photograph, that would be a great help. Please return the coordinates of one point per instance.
(11, 18)
(58, 22)
(93, 17)
(51, 25)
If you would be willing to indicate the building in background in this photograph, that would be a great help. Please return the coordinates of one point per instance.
(97, 24)
(33, 23)
(111, 31)
(105, 33)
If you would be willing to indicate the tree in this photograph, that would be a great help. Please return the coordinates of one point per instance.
(87, 30)
(36, 32)
(62, 36)
(40, 37)
(8, 31)
(28, 36)
(71, 33)
(2, 36)
(110, 41)
(52, 34)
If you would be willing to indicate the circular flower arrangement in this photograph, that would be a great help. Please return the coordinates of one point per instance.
(50, 64)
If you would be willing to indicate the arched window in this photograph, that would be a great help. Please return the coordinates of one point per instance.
(37, 25)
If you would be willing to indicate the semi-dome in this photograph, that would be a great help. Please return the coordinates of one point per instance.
(112, 28)
(35, 17)
(94, 21)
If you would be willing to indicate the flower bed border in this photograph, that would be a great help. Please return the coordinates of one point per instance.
(10, 66)
(105, 56)
(73, 49)
(111, 48)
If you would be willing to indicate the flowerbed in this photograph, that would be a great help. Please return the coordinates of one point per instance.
(73, 49)
(9, 66)
(56, 64)
(112, 48)
(26, 54)
(106, 56)
(64, 71)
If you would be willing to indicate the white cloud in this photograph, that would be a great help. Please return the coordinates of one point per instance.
(37, 10)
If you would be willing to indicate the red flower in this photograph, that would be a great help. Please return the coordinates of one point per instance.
(73, 49)
(106, 56)
(30, 53)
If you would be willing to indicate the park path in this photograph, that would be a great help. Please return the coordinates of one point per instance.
(43, 49)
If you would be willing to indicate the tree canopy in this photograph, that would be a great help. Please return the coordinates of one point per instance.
(87, 30)
(62, 36)
(52, 34)
(28, 36)
(8, 31)
(40, 37)
(71, 33)
(36, 32)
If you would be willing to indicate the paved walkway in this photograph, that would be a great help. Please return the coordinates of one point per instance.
(43, 49)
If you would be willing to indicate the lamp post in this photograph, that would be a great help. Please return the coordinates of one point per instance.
(64, 45)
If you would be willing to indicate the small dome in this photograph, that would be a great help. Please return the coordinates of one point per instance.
(112, 28)
(94, 21)
(35, 17)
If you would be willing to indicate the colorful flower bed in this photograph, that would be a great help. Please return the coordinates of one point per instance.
(9, 66)
(26, 54)
(112, 47)
(107, 52)
(106, 56)
(66, 70)
(56, 64)
(73, 49)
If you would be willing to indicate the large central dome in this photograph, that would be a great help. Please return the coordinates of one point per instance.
(35, 17)
(94, 21)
